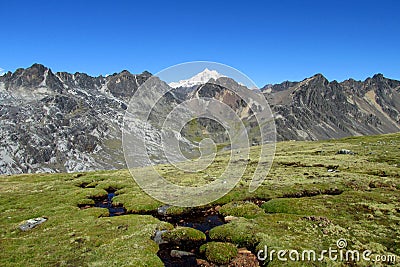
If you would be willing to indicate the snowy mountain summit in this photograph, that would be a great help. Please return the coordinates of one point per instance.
(200, 78)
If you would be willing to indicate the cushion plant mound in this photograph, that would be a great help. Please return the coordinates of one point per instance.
(242, 232)
(219, 252)
(184, 234)
(280, 205)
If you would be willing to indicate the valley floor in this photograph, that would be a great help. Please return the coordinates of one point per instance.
(312, 197)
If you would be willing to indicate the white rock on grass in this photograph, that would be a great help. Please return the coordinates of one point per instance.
(31, 223)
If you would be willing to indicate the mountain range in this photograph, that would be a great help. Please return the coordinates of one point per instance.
(63, 122)
(316, 109)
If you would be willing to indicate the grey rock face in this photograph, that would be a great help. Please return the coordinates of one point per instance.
(315, 108)
(62, 122)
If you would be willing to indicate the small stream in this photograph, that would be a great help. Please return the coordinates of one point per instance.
(187, 255)
(107, 203)
(200, 219)
(164, 253)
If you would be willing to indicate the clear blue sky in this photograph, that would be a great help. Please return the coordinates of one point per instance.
(270, 41)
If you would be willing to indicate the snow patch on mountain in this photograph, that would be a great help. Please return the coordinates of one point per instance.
(200, 78)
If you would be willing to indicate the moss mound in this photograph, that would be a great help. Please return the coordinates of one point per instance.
(280, 205)
(181, 235)
(219, 252)
(244, 209)
(242, 232)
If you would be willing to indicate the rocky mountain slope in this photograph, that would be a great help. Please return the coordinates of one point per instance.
(54, 122)
(316, 109)
(57, 122)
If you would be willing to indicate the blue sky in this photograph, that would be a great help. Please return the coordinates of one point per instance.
(270, 41)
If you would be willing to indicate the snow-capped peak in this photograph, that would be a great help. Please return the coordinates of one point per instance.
(200, 78)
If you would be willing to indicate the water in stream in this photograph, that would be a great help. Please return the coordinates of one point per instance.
(107, 203)
(202, 220)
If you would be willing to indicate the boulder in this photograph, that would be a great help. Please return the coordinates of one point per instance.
(31, 223)
(158, 237)
(345, 152)
(180, 254)
(162, 211)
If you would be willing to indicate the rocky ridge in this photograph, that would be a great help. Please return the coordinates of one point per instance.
(63, 122)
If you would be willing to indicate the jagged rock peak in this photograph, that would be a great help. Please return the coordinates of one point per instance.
(125, 72)
(146, 73)
(38, 66)
(378, 76)
(320, 77)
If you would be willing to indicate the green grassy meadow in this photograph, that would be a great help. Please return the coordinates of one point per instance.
(311, 197)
